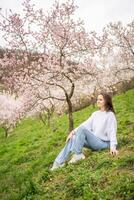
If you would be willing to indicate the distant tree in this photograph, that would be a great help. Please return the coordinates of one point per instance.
(121, 39)
(12, 110)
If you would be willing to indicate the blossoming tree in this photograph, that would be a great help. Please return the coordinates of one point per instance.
(48, 51)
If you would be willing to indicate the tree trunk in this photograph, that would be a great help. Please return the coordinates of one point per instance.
(42, 119)
(70, 115)
(6, 131)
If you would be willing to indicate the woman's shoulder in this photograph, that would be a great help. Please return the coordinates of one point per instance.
(111, 114)
(103, 113)
(95, 113)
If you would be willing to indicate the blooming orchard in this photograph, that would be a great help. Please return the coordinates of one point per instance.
(50, 55)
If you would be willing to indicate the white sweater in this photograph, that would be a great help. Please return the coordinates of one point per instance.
(102, 124)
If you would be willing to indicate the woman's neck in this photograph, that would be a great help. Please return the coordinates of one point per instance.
(102, 109)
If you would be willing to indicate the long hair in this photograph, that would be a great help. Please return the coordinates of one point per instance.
(108, 102)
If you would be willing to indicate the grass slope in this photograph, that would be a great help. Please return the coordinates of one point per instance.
(27, 155)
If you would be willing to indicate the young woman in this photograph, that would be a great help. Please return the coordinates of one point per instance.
(97, 132)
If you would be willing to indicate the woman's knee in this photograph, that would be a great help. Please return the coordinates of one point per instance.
(80, 130)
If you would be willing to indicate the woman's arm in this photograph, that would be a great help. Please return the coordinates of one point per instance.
(112, 130)
(71, 135)
(86, 124)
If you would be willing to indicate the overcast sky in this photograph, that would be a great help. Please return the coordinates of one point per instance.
(95, 13)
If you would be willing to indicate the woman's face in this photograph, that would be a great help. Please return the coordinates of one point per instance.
(101, 102)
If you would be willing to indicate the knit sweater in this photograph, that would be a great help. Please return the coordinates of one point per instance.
(102, 124)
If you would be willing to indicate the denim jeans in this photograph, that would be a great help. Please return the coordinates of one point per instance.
(83, 138)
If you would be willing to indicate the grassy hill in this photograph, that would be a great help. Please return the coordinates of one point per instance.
(27, 155)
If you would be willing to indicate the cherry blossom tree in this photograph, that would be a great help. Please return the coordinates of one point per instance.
(121, 40)
(13, 109)
(116, 58)
(48, 51)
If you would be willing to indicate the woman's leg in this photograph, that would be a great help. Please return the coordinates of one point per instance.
(63, 155)
(85, 138)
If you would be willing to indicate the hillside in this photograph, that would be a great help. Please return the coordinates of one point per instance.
(27, 155)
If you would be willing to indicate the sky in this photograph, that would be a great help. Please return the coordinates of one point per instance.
(95, 13)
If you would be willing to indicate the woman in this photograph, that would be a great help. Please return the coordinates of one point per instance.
(97, 132)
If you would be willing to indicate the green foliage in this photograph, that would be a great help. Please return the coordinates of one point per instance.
(27, 155)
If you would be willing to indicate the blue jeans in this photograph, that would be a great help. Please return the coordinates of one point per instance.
(83, 138)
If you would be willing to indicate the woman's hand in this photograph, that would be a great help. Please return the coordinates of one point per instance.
(71, 134)
(114, 151)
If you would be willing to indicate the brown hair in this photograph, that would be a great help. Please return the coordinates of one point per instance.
(108, 102)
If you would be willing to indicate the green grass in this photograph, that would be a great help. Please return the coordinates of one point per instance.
(28, 153)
